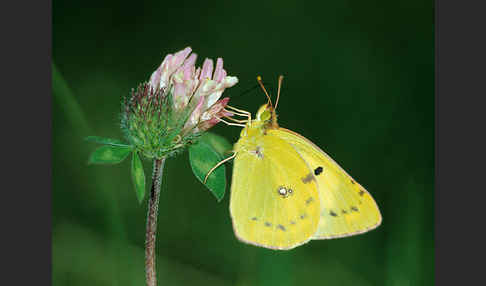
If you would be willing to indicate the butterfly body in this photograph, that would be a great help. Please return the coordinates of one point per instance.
(286, 191)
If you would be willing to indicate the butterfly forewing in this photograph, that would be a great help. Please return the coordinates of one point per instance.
(346, 207)
(270, 204)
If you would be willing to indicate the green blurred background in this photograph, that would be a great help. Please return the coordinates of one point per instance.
(359, 82)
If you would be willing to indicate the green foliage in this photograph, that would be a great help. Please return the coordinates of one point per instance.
(109, 154)
(203, 157)
(138, 177)
(219, 143)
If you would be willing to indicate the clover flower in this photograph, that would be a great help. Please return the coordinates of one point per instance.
(176, 105)
(163, 116)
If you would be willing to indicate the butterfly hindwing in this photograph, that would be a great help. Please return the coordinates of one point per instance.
(270, 205)
(346, 207)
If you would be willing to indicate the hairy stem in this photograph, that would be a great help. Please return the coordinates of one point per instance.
(150, 272)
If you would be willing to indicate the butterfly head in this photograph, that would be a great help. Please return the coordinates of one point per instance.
(266, 117)
(266, 114)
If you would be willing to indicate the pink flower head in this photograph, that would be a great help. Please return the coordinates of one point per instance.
(160, 77)
(213, 85)
(195, 88)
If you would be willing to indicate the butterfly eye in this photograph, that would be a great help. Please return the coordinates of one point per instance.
(266, 115)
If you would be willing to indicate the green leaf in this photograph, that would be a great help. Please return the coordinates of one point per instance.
(106, 141)
(202, 158)
(109, 154)
(138, 177)
(218, 143)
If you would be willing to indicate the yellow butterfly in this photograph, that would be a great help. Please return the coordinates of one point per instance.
(286, 191)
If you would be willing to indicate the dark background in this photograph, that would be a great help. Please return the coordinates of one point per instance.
(359, 82)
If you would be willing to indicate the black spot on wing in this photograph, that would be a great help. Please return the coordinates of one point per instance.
(332, 213)
(268, 224)
(281, 227)
(307, 179)
(303, 216)
(254, 218)
(318, 170)
(309, 200)
(361, 192)
(353, 208)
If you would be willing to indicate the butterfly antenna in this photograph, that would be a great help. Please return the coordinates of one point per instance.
(280, 79)
(259, 79)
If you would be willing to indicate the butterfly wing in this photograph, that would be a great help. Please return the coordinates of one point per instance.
(346, 207)
(270, 206)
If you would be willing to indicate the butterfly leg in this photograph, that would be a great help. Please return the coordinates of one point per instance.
(236, 120)
(231, 124)
(240, 112)
(217, 165)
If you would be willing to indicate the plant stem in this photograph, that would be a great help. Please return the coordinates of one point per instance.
(150, 272)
